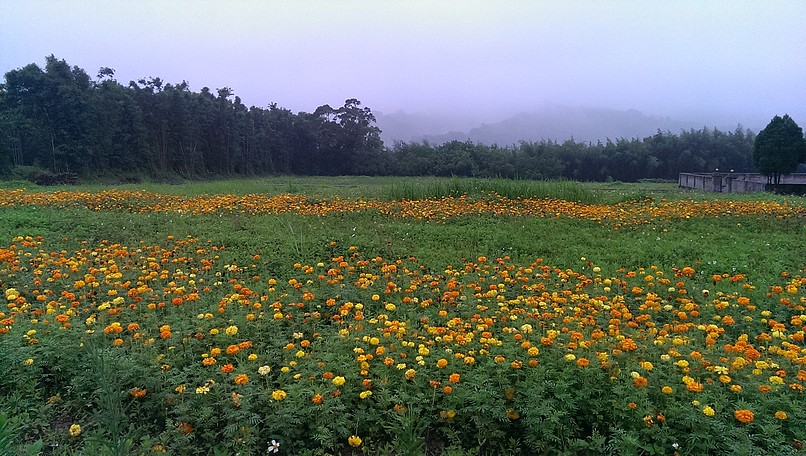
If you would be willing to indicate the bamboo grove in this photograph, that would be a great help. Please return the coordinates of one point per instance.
(60, 120)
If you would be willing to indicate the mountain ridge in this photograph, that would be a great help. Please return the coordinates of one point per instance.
(555, 123)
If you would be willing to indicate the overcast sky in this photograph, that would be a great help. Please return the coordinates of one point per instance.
(742, 59)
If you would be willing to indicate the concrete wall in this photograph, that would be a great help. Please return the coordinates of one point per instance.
(734, 182)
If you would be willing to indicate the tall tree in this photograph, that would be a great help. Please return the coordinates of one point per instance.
(778, 148)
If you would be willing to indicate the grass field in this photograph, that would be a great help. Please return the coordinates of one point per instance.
(401, 316)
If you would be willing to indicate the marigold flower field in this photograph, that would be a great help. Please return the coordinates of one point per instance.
(177, 346)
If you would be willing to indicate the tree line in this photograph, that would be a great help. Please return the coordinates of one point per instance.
(61, 120)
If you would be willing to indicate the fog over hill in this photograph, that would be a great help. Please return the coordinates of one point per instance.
(556, 123)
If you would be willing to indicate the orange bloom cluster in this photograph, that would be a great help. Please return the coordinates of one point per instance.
(621, 214)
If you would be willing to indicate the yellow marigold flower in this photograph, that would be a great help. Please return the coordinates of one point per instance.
(278, 395)
(354, 441)
(708, 411)
(776, 380)
(570, 357)
(12, 294)
(781, 415)
(666, 390)
(231, 330)
(442, 363)
(365, 394)
(28, 361)
(409, 374)
(338, 381)
(75, 430)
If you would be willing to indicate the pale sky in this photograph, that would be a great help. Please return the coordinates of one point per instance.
(741, 59)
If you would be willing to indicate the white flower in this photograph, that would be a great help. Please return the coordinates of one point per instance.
(263, 370)
(274, 447)
(675, 445)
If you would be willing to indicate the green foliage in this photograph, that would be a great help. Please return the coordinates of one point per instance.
(779, 148)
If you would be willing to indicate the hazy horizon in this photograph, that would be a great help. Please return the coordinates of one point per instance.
(727, 61)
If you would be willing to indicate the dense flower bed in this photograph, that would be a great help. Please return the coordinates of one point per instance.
(357, 351)
(626, 213)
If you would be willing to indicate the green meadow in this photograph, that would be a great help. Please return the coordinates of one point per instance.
(371, 321)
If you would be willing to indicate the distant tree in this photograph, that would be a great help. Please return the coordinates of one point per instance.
(778, 148)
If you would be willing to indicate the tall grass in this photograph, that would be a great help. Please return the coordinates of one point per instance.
(417, 189)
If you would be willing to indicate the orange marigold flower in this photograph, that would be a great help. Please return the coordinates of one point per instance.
(694, 387)
(241, 379)
(744, 415)
(185, 427)
(583, 362)
(137, 392)
(629, 344)
(454, 378)
(227, 368)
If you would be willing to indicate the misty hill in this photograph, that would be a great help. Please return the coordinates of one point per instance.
(557, 123)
